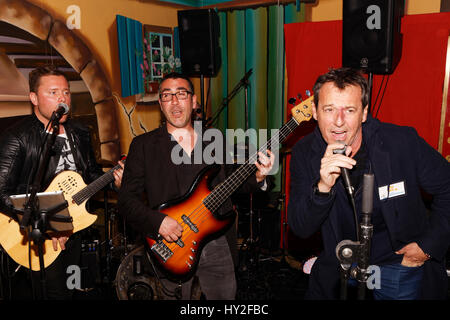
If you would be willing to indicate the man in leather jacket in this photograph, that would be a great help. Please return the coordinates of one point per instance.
(20, 149)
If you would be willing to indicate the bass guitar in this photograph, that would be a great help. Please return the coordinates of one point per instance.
(76, 193)
(195, 210)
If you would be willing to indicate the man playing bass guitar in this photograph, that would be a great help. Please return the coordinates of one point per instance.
(151, 170)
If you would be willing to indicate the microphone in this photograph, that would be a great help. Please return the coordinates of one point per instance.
(367, 195)
(365, 232)
(344, 172)
(61, 110)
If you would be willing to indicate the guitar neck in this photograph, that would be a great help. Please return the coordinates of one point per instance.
(223, 191)
(95, 186)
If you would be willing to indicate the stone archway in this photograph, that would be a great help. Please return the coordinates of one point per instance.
(41, 24)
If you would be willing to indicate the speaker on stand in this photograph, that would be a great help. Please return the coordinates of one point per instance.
(371, 37)
(199, 45)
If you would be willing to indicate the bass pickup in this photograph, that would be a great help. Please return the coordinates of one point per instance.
(190, 224)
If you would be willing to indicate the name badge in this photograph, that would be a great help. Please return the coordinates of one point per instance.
(392, 190)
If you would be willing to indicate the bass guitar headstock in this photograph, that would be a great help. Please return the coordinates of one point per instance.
(303, 111)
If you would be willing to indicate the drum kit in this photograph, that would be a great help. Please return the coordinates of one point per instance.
(135, 280)
(128, 266)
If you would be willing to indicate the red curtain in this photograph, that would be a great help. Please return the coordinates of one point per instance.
(413, 96)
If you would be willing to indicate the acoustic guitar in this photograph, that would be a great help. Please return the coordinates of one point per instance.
(15, 241)
(195, 210)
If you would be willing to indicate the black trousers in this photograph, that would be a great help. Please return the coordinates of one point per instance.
(215, 273)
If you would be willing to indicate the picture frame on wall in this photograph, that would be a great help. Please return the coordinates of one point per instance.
(158, 59)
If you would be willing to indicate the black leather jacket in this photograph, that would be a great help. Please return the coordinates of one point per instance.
(19, 156)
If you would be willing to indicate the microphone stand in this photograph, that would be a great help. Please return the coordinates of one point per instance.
(242, 83)
(40, 218)
(350, 252)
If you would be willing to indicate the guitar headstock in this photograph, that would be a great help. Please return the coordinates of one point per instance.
(303, 111)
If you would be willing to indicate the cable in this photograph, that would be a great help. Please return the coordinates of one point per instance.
(355, 216)
(384, 91)
(164, 288)
(34, 168)
(378, 94)
(29, 263)
(207, 98)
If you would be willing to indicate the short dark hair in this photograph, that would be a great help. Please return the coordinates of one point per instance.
(342, 78)
(176, 75)
(35, 76)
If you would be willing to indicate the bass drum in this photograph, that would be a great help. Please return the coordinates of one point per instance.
(135, 279)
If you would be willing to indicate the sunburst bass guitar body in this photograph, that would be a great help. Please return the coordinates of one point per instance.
(199, 225)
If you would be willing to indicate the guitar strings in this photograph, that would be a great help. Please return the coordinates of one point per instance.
(85, 193)
(216, 197)
(249, 167)
(219, 194)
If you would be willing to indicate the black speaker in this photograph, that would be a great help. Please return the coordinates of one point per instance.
(372, 39)
(199, 42)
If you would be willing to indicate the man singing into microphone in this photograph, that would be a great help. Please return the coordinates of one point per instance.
(410, 240)
(20, 149)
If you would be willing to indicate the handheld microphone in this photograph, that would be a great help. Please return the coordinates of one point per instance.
(344, 172)
(61, 110)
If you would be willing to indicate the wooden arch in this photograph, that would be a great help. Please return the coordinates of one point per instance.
(41, 24)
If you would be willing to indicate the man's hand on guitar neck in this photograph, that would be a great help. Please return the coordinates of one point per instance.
(118, 175)
(170, 229)
(264, 165)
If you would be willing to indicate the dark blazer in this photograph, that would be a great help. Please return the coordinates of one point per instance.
(150, 179)
(396, 154)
